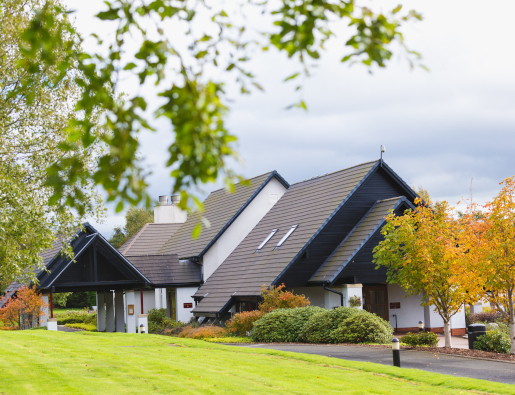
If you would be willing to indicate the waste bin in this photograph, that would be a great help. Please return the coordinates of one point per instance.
(474, 331)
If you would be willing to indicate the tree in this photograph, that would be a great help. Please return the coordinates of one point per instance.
(278, 298)
(34, 124)
(135, 219)
(493, 250)
(25, 310)
(217, 43)
(423, 253)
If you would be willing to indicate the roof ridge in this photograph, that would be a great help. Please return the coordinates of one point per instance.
(248, 179)
(136, 236)
(334, 172)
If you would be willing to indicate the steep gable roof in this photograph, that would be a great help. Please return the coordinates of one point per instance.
(220, 209)
(149, 239)
(310, 205)
(356, 239)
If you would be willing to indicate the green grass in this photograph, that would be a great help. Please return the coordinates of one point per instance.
(61, 311)
(87, 327)
(85, 362)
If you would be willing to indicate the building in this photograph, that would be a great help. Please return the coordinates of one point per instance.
(315, 236)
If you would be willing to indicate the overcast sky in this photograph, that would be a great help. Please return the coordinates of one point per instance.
(441, 128)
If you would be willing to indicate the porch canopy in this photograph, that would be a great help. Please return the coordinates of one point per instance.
(96, 266)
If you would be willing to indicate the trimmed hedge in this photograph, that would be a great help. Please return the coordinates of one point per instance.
(319, 328)
(318, 325)
(283, 325)
(76, 317)
(363, 327)
(420, 339)
(496, 341)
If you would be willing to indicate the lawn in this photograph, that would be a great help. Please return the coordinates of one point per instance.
(85, 362)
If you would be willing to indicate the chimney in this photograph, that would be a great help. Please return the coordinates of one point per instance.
(165, 213)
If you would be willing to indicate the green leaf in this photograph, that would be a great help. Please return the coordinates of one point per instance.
(196, 231)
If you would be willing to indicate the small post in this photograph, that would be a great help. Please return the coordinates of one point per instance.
(421, 326)
(142, 328)
(51, 306)
(396, 351)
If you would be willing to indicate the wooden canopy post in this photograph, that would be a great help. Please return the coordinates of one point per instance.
(141, 294)
(51, 306)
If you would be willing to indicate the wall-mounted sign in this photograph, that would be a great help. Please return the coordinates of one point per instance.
(396, 305)
(188, 305)
(130, 309)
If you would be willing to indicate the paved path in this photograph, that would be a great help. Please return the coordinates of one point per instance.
(439, 363)
(63, 328)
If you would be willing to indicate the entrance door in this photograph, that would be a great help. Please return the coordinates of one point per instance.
(376, 300)
(172, 303)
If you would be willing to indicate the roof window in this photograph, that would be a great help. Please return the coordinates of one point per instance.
(272, 233)
(281, 242)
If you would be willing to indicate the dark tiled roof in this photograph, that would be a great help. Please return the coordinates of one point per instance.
(220, 209)
(351, 245)
(167, 269)
(307, 204)
(149, 239)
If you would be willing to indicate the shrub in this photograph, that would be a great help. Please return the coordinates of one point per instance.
(420, 339)
(76, 317)
(320, 326)
(278, 298)
(87, 327)
(363, 327)
(158, 321)
(355, 301)
(283, 325)
(203, 332)
(242, 323)
(496, 341)
(484, 316)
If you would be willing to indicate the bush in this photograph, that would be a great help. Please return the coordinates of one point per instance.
(484, 316)
(283, 325)
(420, 339)
(242, 323)
(278, 298)
(203, 332)
(87, 327)
(496, 341)
(363, 327)
(76, 317)
(158, 321)
(320, 326)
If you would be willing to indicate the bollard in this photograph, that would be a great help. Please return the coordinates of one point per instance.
(396, 351)
(421, 326)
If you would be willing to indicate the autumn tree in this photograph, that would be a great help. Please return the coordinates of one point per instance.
(493, 251)
(24, 310)
(276, 297)
(422, 253)
(189, 77)
(34, 125)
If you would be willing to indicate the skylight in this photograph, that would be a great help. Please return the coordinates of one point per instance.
(272, 233)
(281, 242)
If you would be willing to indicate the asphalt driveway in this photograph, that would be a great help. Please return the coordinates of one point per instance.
(503, 372)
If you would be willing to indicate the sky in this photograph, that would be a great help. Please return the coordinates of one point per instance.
(444, 130)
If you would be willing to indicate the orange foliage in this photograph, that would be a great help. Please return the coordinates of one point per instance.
(278, 298)
(242, 323)
(203, 332)
(24, 310)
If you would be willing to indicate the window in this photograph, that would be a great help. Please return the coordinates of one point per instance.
(272, 233)
(281, 242)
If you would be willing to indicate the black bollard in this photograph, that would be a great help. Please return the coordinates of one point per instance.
(396, 351)
(421, 326)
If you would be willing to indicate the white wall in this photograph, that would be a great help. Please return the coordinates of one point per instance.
(316, 295)
(242, 226)
(410, 313)
(46, 310)
(184, 295)
(149, 301)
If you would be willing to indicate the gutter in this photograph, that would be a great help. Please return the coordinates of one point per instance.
(334, 291)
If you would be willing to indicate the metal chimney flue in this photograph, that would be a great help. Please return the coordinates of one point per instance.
(163, 200)
(176, 199)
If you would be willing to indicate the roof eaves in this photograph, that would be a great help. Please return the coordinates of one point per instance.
(367, 238)
(273, 174)
(299, 254)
